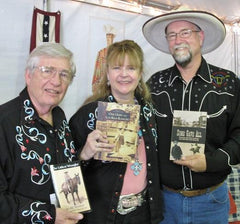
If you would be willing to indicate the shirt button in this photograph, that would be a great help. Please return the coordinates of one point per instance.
(51, 131)
(116, 193)
(120, 176)
(149, 164)
(113, 210)
(150, 182)
(147, 147)
(150, 198)
(143, 130)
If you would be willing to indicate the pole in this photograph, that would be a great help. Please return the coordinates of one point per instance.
(45, 5)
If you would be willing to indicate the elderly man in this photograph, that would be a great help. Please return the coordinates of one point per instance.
(34, 133)
(195, 190)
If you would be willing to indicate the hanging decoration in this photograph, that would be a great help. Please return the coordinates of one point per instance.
(45, 27)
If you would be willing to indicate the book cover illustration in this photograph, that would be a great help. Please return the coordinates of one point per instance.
(188, 133)
(69, 187)
(120, 123)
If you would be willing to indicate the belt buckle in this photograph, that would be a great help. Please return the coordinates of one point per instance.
(125, 199)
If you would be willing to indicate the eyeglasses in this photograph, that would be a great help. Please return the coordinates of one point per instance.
(183, 34)
(48, 72)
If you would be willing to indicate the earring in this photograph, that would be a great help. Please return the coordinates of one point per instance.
(108, 83)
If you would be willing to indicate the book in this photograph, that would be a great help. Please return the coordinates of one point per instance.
(69, 187)
(120, 123)
(188, 133)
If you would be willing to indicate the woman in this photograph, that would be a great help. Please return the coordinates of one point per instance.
(111, 184)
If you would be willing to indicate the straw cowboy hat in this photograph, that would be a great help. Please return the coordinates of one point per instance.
(213, 27)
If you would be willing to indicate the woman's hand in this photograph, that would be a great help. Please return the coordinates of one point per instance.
(96, 142)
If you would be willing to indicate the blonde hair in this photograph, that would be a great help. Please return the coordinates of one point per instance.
(116, 53)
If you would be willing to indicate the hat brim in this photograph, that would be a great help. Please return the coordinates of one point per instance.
(214, 29)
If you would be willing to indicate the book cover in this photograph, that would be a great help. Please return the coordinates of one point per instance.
(188, 133)
(69, 187)
(120, 123)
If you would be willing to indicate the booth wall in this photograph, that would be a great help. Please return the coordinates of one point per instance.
(82, 32)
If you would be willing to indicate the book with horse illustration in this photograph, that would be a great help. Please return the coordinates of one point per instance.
(120, 123)
(69, 187)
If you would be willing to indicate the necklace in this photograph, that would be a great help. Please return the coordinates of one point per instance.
(136, 167)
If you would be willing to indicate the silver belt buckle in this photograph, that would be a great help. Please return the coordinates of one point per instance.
(128, 203)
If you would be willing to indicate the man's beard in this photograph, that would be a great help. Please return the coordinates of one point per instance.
(182, 58)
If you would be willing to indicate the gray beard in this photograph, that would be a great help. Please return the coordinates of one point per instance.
(180, 58)
(183, 60)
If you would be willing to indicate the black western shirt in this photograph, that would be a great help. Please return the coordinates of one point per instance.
(214, 90)
(104, 180)
(28, 145)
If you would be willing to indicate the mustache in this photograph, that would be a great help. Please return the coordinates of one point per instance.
(182, 45)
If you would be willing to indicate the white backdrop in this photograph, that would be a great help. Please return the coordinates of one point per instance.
(82, 32)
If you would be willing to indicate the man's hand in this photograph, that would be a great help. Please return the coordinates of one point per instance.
(65, 217)
(196, 162)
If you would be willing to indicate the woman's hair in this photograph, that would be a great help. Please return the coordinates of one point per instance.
(116, 54)
(52, 50)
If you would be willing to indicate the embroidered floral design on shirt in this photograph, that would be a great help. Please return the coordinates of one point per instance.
(154, 133)
(91, 121)
(62, 132)
(36, 213)
(147, 112)
(28, 110)
(27, 134)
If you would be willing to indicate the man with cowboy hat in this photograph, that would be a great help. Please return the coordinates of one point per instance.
(194, 187)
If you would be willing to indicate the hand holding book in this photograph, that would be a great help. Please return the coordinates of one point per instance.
(96, 142)
(196, 162)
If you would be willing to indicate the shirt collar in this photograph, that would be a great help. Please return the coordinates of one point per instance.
(203, 72)
(29, 114)
(111, 98)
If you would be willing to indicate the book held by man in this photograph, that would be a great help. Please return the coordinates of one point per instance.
(120, 123)
(188, 133)
(69, 187)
